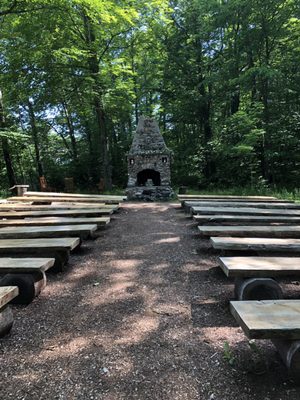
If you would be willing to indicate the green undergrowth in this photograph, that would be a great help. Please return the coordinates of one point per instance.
(240, 191)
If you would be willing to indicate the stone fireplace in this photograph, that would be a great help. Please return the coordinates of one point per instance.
(149, 159)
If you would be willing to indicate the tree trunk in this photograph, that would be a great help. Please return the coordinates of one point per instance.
(5, 148)
(34, 133)
(100, 155)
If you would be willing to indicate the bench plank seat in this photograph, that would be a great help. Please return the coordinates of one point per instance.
(244, 211)
(38, 245)
(204, 219)
(58, 248)
(25, 265)
(221, 197)
(268, 319)
(82, 231)
(99, 221)
(55, 202)
(284, 205)
(285, 231)
(56, 206)
(7, 293)
(256, 244)
(63, 213)
(240, 267)
(111, 199)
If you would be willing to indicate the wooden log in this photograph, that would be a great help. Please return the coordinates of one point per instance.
(26, 232)
(30, 285)
(6, 321)
(256, 244)
(257, 289)
(245, 219)
(7, 294)
(244, 211)
(28, 274)
(289, 351)
(268, 231)
(53, 221)
(259, 267)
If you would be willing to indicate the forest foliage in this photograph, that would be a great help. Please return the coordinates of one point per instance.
(221, 76)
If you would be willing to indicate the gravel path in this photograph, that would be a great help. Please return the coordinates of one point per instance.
(142, 313)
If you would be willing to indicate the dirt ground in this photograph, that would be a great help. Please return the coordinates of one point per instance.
(141, 313)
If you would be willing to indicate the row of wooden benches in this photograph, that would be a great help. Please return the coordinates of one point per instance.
(260, 309)
(43, 239)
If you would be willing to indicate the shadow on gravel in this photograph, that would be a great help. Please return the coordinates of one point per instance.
(139, 316)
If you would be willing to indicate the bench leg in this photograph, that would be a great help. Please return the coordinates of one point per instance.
(6, 320)
(61, 259)
(30, 285)
(257, 289)
(289, 351)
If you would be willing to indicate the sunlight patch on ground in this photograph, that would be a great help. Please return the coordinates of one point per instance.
(138, 330)
(168, 240)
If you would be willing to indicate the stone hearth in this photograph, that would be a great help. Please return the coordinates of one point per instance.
(149, 159)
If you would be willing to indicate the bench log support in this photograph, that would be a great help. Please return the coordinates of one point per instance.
(30, 285)
(6, 320)
(289, 351)
(257, 289)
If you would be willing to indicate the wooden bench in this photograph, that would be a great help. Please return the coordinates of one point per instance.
(59, 213)
(237, 219)
(28, 274)
(256, 244)
(284, 205)
(221, 197)
(57, 206)
(53, 221)
(244, 211)
(268, 231)
(7, 293)
(27, 232)
(277, 320)
(108, 199)
(58, 248)
(255, 277)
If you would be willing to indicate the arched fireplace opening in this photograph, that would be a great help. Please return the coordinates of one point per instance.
(146, 174)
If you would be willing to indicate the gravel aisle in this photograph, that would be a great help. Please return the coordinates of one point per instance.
(140, 314)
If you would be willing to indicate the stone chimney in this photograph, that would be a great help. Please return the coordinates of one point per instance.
(149, 159)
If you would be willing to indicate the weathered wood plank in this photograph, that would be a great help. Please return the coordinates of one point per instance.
(53, 221)
(259, 267)
(268, 319)
(268, 231)
(284, 205)
(106, 198)
(63, 213)
(225, 198)
(23, 232)
(203, 219)
(62, 202)
(244, 211)
(7, 293)
(25, 265)
(55, 206)
(255, 244)
(57, 244)
(58, 248)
